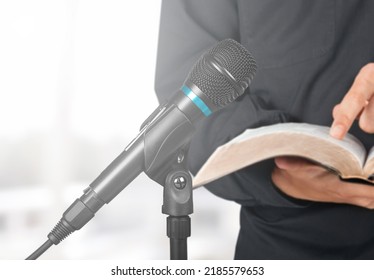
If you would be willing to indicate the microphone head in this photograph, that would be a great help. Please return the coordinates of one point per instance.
(223, 72)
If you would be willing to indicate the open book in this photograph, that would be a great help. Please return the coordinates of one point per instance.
(347, 157)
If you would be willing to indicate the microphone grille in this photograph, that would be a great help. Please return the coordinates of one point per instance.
(218, 87)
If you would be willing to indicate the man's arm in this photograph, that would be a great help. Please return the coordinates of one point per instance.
(187, 29)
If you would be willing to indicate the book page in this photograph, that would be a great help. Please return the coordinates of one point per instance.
(369, 166)
(371, 154)
(350, 142)
(346, 157)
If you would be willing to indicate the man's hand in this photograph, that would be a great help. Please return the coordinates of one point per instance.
(302, 179)
(299, 178)
(358, 103)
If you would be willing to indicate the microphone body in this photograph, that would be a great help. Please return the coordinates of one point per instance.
(159, 139)
(219, 77)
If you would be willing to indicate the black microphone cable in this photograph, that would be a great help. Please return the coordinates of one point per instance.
(40, 251)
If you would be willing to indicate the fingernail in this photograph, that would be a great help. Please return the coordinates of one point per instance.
(337, 131)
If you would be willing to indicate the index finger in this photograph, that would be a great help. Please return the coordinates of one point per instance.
(353, 102)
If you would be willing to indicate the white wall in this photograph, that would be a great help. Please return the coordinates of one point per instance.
(76, 81)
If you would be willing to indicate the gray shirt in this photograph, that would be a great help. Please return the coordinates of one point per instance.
(308, 53)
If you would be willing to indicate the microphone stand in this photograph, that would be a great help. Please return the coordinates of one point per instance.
(178, 205)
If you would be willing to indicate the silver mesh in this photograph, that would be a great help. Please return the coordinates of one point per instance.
(236, 60)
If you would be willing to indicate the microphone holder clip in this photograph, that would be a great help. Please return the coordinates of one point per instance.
(177, 204)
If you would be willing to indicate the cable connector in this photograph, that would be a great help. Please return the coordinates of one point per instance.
(74, 218)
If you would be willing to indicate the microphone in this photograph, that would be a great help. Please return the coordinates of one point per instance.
(219, 76)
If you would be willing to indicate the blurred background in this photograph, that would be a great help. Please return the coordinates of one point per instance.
(72, 77)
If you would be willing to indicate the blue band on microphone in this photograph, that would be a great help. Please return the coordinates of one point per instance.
(196, 100)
